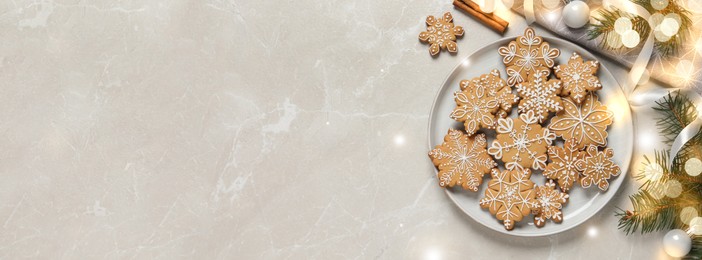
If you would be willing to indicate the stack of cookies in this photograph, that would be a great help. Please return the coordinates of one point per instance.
(559, 107)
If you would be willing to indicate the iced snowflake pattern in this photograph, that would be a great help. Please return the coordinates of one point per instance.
(597, 168)
(578, 77)
(462, 160)
(562, 166)
(510, 196)
(481, 100)
(441, 34)
(540, 95)
(586, 123)
(522, 143)
(549, 202)
(527, 55)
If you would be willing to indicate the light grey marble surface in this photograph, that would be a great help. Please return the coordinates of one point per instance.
(244, 130)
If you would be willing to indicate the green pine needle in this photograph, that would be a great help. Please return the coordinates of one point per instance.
(656, 213)
(607, 18)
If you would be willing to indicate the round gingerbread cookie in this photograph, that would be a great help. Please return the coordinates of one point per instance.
(462, 160)
(509, 196)
(522, 143)
(597, 167)
(586, 123)
(549, 202)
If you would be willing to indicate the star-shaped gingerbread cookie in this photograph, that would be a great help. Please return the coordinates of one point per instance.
(441, 34)
(540, 95)
(510, 196)
(586, 122)
(526, 56)
(521, 143)
(597, 167)
(462, 160)
(578, 77)
(482, 100)
(549, 202)
(562, 166)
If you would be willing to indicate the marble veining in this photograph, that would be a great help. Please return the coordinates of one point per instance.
(223, 129)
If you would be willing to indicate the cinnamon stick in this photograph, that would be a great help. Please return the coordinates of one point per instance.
(492, 16)
(493, 24)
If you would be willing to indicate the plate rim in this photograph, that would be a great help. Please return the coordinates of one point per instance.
(623, 175)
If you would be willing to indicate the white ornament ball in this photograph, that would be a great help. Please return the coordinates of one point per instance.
(677, 243)
(576, 14)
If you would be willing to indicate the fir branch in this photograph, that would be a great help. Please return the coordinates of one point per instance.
(605, 25)
(607, 18)
(649, 214)
(677, 112)
(676, 42)
(696, 252)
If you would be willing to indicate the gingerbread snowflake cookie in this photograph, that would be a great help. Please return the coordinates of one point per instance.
(441, 34)
(540, 95)
(562, 167)
(481, 100)
(527, 55)
(549, 202)
(510, 196)
(578, 77)
(597, 168)
(586, 123)
(462, 160)
(522, 143)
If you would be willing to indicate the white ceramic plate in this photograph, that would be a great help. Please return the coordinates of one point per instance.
(583, 203)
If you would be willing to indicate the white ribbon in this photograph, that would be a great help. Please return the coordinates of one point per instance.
(529, 11)
(688, 132)
(638, 69)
